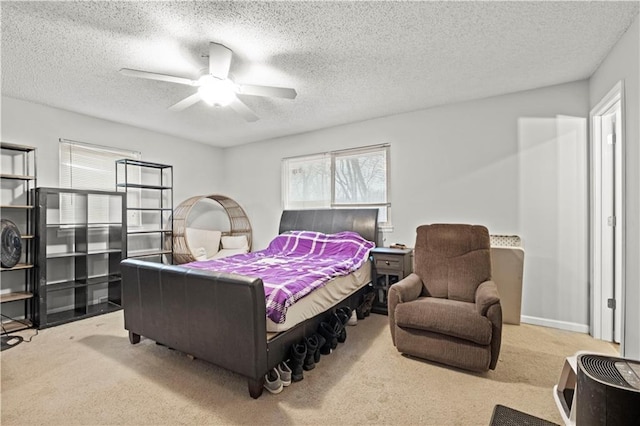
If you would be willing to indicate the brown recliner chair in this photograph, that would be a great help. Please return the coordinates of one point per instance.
(449, 310)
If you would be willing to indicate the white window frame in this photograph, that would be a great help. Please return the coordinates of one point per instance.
(331, 157)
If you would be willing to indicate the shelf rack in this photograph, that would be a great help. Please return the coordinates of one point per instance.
(79, 253)
(149, 193)
(18, 282)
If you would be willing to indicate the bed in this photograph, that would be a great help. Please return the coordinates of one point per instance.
(222, 318)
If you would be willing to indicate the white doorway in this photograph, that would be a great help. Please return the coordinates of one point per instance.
(606, 219)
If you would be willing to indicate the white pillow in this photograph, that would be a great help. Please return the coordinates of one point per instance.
(235, 242)
(203, 238)
(200, 253)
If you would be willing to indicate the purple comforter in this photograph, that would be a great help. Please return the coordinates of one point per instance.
(295, 264)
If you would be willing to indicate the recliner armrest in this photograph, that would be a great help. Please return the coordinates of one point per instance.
(486, 296)
(407, 289)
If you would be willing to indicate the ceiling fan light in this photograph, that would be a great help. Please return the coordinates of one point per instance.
(215, 91)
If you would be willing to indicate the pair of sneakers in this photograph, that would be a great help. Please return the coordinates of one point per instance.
(277, 378)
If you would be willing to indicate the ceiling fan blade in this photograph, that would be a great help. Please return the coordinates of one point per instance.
(185, 103)
(238, 106)
(268, 91)
(153, 76)
(219, 60)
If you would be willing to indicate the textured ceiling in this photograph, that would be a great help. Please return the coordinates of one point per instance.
(349, 61)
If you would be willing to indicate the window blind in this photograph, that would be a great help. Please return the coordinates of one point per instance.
(88, 166)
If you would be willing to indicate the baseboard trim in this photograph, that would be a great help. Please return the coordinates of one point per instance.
(562, 325)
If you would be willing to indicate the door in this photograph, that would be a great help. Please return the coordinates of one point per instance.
(606, 217)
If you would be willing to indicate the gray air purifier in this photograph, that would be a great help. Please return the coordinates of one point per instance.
(608, 391)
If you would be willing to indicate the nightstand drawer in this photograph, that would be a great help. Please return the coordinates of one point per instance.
(388, 262)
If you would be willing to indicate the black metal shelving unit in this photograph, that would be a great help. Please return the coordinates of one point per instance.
(18, 282)
(81, 241)
(149, 193)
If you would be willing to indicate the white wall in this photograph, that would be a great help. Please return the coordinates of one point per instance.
(514, 163)
(553, 220)
(622, 63)
(196, 167)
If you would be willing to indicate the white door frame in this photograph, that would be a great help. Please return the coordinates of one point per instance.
(601, 317)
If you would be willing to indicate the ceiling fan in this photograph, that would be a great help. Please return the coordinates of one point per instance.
(215, 87)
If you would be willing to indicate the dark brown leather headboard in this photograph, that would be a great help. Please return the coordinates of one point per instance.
(330, 221)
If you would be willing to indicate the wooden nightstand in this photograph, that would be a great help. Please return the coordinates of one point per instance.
(389, 267)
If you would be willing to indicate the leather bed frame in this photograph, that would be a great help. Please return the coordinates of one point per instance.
(219, 317)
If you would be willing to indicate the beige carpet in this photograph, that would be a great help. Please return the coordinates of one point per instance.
(87, 373)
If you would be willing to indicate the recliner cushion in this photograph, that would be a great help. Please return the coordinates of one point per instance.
(452, 259)
(444, 316)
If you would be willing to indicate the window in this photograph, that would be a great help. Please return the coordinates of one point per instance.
(349, 178)
(87, 166)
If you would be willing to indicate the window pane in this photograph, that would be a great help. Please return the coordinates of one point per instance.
(307, 182)
(84, 166)
(89, 166)
(361, 178)
(354, 178)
